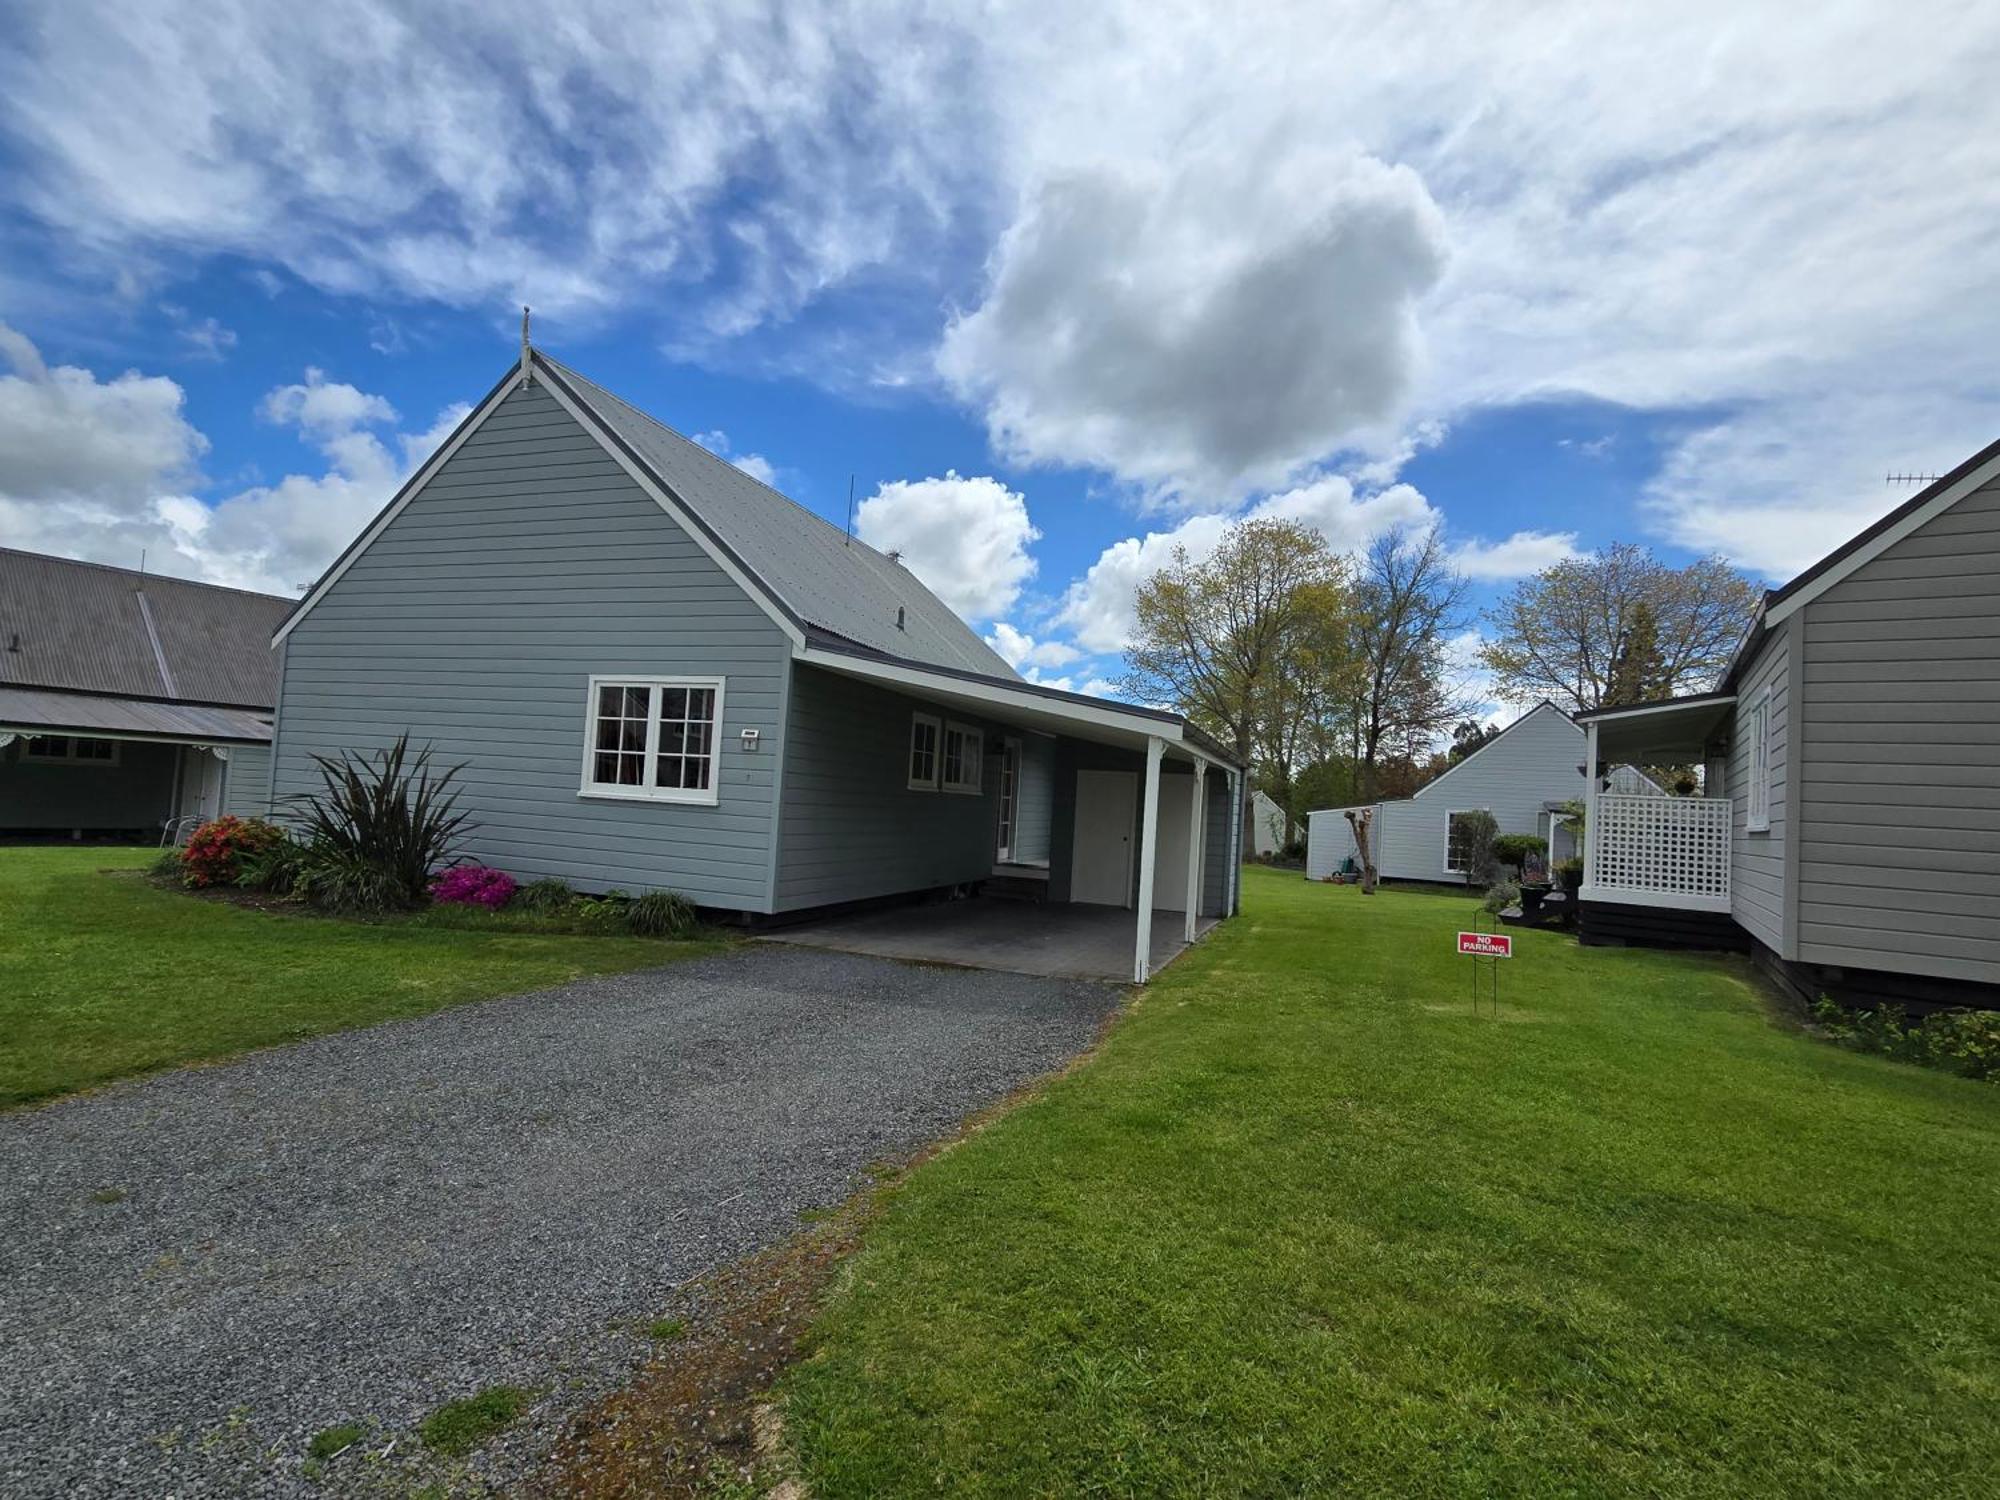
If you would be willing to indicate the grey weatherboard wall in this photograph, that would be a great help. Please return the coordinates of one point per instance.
(1898, 852)
(852, 827)
(1036, 798)
(1757, 883)
(246, 784)
(474, 621)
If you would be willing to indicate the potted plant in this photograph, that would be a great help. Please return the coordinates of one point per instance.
(1569, 874)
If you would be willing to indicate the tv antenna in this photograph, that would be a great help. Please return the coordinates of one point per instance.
(850, 510)
(1911, 478)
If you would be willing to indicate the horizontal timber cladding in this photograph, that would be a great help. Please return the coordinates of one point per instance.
(1757, 872)
(246, 786)
(1037, 794)
(1899, 843)
(475, 620)
(852, 828)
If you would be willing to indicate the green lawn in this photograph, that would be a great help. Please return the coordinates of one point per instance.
(1308, 1225)
(103, 974)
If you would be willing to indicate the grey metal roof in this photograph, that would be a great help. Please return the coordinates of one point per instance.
(97, 629)
(37, 711)
(809, 566)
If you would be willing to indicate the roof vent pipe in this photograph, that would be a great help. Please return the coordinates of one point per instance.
(899, 618)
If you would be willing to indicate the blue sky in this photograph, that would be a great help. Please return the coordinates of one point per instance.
(1059, 292)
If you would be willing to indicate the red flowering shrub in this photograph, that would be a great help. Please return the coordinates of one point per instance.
(216, 851)
(474, 885)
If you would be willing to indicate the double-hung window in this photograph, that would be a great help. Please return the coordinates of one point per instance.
(70, 750)
(963, 746)
(1458, 840)
(653, 738)
(926, 736)
(1757, 812)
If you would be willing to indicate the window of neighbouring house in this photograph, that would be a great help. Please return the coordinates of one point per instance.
(963, 746)
(1457, 843)
(653, 737)
(926, 730)
(1757, 809)
(67, 749)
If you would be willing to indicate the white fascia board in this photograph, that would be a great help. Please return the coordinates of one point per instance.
(1647, 711)
(995, 694)
(1861, 556)
(395, 507)
(697, 533)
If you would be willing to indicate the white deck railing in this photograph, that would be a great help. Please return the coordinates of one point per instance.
(1658, 851)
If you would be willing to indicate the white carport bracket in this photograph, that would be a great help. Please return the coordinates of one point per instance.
(1197, 821)
(1149, 829)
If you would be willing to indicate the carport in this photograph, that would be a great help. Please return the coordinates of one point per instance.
(1143, 824)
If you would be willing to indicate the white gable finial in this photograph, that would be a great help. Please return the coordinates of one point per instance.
(527, 368)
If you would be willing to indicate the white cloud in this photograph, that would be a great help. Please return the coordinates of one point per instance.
(1100, 608)
(202, 338)
(1021, 650)
(322, 407)
(1187, 323)
(1521, 554)
(100, 469)
(966, 538)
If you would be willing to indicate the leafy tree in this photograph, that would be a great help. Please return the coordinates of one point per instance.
(1227, 640)
(1407, 604)
(1638, 671)
(1469, 736)
(1562, 633)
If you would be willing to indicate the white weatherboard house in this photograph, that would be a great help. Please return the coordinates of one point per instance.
(660, 673)
(1522, 777)
(1851, 832)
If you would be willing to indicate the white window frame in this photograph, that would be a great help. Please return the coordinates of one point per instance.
(69, 757)
(1757, 753)
(707, 796)
(974, 757)
(926, 783)
(1449, 814)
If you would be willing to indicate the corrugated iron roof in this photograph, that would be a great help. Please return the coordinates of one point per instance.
(86, 627)
(35, 710)
(812, 567)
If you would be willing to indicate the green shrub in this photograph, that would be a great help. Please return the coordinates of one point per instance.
(661, 914)
(274, 870)
(377, 828)
(337, 880)
(1514, 850)
(168, 866)
(1481, 829)
(543, 896)
(1570, 874)
(1500, 895)
(596, 913)
(1957, 1041)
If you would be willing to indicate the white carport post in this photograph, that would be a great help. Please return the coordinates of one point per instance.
(1590, 805)
(1197, 806)
(1149, 828)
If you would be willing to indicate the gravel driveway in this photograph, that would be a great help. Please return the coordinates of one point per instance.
(200, 1270)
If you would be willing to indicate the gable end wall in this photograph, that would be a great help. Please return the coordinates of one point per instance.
(475, 620)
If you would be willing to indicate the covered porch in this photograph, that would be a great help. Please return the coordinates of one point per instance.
(1671, 853)
(90, 766)
(1133, 818)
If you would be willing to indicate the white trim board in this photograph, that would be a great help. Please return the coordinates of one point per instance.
(1874, 547)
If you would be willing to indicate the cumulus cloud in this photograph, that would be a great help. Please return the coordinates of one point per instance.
(1023, 652)
(1188, 324)
(102, 469)
(966, 538)
(1519, 555)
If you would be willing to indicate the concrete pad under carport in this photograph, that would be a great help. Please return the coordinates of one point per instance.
(1014, 937)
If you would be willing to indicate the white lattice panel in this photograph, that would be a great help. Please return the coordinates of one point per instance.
(1675, 846)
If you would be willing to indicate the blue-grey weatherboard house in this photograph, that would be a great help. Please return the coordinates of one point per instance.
(131, 705)
(660, 673)
(1850, 831)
